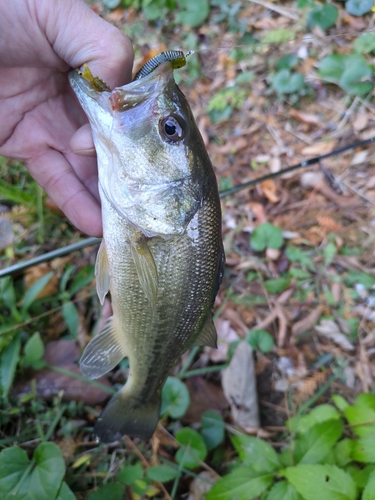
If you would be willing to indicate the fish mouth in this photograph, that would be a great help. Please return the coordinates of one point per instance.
(126, 96)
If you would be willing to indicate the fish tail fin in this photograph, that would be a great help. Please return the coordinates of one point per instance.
(124, 414)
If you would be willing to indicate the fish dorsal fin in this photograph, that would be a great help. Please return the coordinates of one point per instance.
(208, 335)
(102, 353)
(102, 272)
(146, 269)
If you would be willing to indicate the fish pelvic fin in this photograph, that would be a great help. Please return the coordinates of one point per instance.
(102, 272)
(208, 335)
(125, 414)
(102, 353)
(146, 269)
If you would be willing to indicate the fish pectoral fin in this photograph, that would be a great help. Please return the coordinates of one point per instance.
(102, 272)
(146, 269)
(208, 335)
(102, 353)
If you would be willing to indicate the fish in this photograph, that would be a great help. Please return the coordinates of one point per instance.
(161, 256)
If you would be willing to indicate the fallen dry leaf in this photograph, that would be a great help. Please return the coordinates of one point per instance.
(239, 385)
(201, 485)
(305, 324)
(269, 190)
(204, 395)
(361, 121)
(319, 148)
(330, 329)
(225, 335)
(305, 117)
(33, 274)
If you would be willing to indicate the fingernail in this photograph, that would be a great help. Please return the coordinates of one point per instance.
(84, 152)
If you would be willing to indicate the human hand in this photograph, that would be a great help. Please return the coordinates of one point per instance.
(41, 122)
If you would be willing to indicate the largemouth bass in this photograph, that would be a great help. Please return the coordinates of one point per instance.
(161, 256)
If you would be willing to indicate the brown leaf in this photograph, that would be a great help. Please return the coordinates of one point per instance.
(33, 274)
(319, 148)
(204, 395)
(329, 329)
(305, 117)
(308, 322)
(361, 121)
(269, 189)
(328, 223)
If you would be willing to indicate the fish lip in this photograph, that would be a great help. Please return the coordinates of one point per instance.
(126, 95)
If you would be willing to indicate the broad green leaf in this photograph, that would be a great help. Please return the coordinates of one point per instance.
(241, 484)
(343, 452)
(340, 402)
(260, 339)
(295, 254)
(356, 78)
(266, 235)
(317, 415)
(365, 400)
(193, 450)
(365, 43)
(283, 491)
(212, 429)
(109, 491)
(321, 482)
(13, 463)
(369, 491)
(34, 349)
(331, 68)
(359, 7)
(65, 493)
(286, 82)
(256, 453)
(287, 62)
(360, 476)
(194, 13)
(324, 16)
(277, 285)
(9, 358)
(162, 473)
(364, 449)
(130, 473)
(84, 277)
(71, 317)
(34, 291)
(314, 445)
(357, 415)
(175, 398)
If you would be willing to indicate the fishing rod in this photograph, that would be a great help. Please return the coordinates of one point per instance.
(61, 252)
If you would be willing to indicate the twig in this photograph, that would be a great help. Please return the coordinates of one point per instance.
(276, 8)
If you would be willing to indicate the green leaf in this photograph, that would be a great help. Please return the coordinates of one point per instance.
(130, 473)
(84, 277)
(193, 450)
(287, 62)
(356, 78)
(359, 7)
(285, 82)
(109, 491)
(34, 291)
(319, 414)
(277, 285)
(25, 480)
(13, 463)
(34, 350)
(364, 449)
(329, 253)
(241, 484)
(356, 416)
(65, 493)
(343, 452)
(256, 453)
(71, 317)
(212, 429)
(9, 358)
(369, 491)
(321, 482)
(260, 339)
(360, 476)
(359, 277)
(365, 43)
(365, 400)
(324, 16)
(340, 402)
(266, 235)
(195, 12)
(314, 446)
(295, 254)
(162, 473)
(283, 491)
(175, 398)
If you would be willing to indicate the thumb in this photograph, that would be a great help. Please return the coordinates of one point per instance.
(79, 36)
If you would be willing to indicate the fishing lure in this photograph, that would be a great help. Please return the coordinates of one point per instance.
(175, 57)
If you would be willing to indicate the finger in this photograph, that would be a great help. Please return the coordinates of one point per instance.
(79, 36)
(81, 143)
(67, 191)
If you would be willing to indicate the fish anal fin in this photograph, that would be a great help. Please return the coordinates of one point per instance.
(208, 335)
(102, 272)
(102, 353)
(146, 269)
(124, 414)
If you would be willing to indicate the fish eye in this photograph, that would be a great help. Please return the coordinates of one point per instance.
(171, 129)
